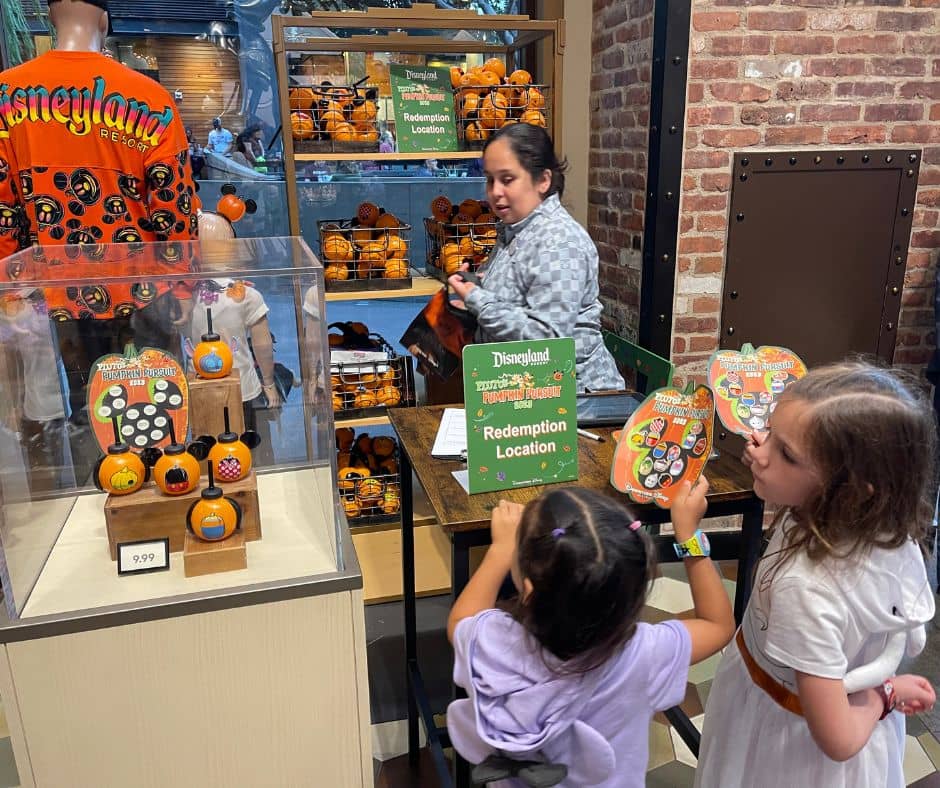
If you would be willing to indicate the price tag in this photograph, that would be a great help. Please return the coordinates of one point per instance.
(151, 555)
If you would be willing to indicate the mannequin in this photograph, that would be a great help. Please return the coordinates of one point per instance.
(80, 25)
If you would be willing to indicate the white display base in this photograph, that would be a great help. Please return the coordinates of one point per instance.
(297, 521)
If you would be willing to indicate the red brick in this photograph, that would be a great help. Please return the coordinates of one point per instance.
(741, 45)
(713, 69)
(691, 139)
(686, 223)
(867, 89)
(935, 111)
(793, 135)
(709, 116)
(836, 67)
(685, 264)
(700, 243)
(705, 304)
(818, 112)
(893, 112)
(804, 89)
(709, 202)
(897, 66)
(922, 90)
(925, 239)
(842, 19)
(689, 182)
(716, 181)
(678, 344)
(868, 44)
(710, 222)
(716, 20)
(768, 116)
(921, 45)
(843, 135)
(776, 20)
(739, 91)
(898, 21)
(695, 325)
(804, 45)
(730, 138)
(709, 265)
(913, 298)
(706, 343)
(919, 133)
(918, 356)
(706, 160)
(696, 92)
(814, 3)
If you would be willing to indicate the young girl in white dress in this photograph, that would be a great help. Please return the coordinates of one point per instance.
(797, 699)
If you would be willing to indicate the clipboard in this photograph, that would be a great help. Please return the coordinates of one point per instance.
(451, 440)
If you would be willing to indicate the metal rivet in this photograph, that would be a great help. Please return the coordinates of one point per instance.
(889, 158)
(912, 157)
(730, 330)
(743, 176)
(840, 159)
(665, 258)
(866, 158)
(654, 129)
(905, 211)
(676, 61)
(895, 290)
(793, 160)
(668, 195)
(768, 162)
(817, 159)
(745, 162)
(722, 435)
(910, 173)
(740, 217)
(661, 318)
(734, 294)
(673, 129)
(898, 260)
(890, 327)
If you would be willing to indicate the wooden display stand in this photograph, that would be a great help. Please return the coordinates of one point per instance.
(207, 398)
(206, 558)
(149, 514)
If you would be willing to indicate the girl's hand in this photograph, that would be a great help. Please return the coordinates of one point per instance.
(914, 694)
(688, 508)
(504, 525)
(756, 439)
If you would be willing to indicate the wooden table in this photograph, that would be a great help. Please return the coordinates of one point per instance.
(466, 518)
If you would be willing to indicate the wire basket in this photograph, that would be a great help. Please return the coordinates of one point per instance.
(482, 111)
(451, 244)
(358, 257)
(367, 387)
(334, 119)
(369, 485)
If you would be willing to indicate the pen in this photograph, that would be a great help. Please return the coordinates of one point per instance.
(591, 435)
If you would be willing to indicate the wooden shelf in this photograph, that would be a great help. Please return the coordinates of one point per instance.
(364, 421)
(376, 156)
(421, 286)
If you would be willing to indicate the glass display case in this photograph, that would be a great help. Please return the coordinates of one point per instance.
(139, 385)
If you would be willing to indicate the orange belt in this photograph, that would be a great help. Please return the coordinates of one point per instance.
(780, 694)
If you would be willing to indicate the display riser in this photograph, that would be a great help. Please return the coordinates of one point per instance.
(206, 558)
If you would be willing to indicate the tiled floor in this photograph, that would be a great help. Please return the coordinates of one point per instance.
(671, 763)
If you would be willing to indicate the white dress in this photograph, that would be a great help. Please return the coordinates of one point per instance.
(824, 619)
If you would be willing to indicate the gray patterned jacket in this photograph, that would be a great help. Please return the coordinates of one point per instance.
(540, 282)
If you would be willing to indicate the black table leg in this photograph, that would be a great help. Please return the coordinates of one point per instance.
(408, 593)
(752, 534)
(460, 576)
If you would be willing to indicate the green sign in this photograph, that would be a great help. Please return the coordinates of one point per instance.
(424, 109)
(520, 400)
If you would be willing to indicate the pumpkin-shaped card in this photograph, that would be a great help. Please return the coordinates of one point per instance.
(144, 391)
(666, 441)
(748, 383)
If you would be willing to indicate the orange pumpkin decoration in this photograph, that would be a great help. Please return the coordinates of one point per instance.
(441, 208)
(231, 207)
(396, 268)
(492, 111)
(364, 112)
(744, 402)
(361, 235)
(212, 358)
(396, 248)
(536, 99)
(666, 441)
(301, 126)
(367, 213)
(520, 77)
(344, 438)
(462, 223)
(213, 517)
(387, 221)
(465, 246)
(489, 79)
(470, 103)
(344, 132)
(301, 98)
(450, 258)
(471, 208)
(337, 249)
(475, 132)
(336, 272)
(496, 66)
(533, 117)
(230, 454)
(120, 471)
(455, 74)
(372, 252)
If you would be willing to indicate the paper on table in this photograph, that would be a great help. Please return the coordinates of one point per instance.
(451, 440)
(463, 479)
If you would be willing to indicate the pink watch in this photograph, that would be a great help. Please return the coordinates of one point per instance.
(888, 696)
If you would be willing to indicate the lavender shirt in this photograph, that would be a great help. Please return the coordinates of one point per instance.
(596, 723)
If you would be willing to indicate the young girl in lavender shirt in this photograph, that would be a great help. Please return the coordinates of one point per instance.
(567, 675)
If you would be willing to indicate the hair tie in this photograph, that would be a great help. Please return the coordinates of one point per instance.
(558, 533)
(635, 525)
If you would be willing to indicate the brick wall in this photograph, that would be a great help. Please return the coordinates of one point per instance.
(620, 93)
(804, 73)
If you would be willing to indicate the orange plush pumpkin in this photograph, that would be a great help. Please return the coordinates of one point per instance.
(666, 441)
